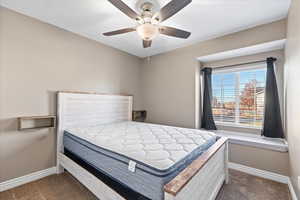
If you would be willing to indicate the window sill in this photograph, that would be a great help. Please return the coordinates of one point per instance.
(254, 140)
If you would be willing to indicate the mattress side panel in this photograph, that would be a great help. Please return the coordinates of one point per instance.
(140, 181)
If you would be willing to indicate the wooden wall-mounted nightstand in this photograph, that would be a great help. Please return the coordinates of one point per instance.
(139, 115)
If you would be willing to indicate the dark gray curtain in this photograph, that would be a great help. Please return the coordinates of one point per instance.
(207, 121)
(272, 119)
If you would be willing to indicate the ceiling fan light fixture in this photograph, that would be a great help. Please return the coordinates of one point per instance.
(147, 31)
(148, 21)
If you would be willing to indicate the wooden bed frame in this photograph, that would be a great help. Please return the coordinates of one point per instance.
(201, 180)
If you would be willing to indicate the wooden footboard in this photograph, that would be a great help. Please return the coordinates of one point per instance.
(202, 179)
(95, 185)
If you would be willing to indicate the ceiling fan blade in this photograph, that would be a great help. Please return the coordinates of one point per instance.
(172, 8)
(147, 43)
(174, 32)
(121, 31)
(125, 9)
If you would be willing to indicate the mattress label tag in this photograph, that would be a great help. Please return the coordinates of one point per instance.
(131, 166)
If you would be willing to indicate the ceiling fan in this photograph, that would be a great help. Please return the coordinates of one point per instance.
(148, 22)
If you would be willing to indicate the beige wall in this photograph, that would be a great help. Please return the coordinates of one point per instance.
(263, 159)
(293, 91)
(168, 88)
(38, 59)
(279, 71)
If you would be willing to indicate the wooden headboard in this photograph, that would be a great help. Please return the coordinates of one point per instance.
(88, 109)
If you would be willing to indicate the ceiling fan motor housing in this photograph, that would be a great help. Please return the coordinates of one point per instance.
(147, 16)
(147, 5)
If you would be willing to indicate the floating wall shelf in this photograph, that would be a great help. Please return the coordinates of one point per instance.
(36, 122)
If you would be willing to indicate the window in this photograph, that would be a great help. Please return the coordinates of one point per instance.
(238, 97)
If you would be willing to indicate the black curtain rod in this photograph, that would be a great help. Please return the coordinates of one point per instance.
(235, 65)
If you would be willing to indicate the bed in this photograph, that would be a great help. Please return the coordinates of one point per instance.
(116, 158)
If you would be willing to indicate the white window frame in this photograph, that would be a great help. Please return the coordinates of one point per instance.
(237, 70)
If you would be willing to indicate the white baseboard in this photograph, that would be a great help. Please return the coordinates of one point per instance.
(260, 173)
(6, 185)
(292, 191)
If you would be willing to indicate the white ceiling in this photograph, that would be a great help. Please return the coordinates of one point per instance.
(204, 18)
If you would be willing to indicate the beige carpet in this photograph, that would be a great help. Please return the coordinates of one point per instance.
(65, 187)
(246, 187)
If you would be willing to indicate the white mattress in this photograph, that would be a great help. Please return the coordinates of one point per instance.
(157, 146)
